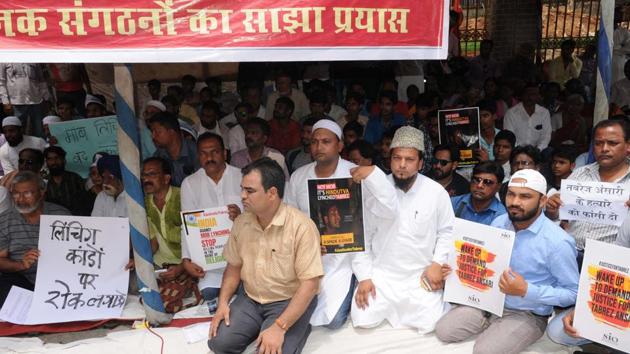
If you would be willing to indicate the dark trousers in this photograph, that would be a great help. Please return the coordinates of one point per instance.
(7, 280)
(248, 318)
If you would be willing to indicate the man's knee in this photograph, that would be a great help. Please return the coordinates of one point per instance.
(445, 330)
(222, 344)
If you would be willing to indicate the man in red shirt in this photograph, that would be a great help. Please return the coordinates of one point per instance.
(285, 132)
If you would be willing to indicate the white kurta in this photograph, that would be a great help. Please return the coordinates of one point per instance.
(199, 191)
(337, 267)
(400, 249)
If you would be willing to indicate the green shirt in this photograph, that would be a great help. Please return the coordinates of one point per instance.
(165, 226)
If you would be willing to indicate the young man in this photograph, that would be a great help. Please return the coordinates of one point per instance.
(562, 164)
(274, 250)
(354, 107)
(386, 119)
(444, 170)
(481, 204)
(533, 285)
(64, 187)
(530, 122)
(284, 88)
(487, 119)
(525, 157)
(301, 156)
(361, 153)
(504, 143)
(285, 132)
(16, 142)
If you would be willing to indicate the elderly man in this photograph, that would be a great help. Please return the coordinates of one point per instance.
(16, 142)
(19, 232)
(112, 200)
(410, 241)
(162, 202)
(215, 184)
(274, 250)
(338, 284)
(533, 285)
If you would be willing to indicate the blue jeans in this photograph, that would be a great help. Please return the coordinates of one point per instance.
(555, 332)
(342, 315)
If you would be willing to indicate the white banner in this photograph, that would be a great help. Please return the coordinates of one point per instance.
(480, 256)
(602, 310)
(206, 232)
(596, 202)
(80, 272)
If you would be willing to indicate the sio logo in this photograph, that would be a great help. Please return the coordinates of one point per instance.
(474, 299)
(610, 338)
(505, 235)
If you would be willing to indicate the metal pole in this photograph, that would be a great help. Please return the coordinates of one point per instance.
(129, 150)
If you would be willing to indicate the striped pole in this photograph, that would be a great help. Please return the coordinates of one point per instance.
(128, 148)
(604, 60)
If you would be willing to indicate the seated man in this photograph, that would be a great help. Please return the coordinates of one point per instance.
(406, 241)
(112, 200)
(444, 171)
(64, 187)
(274, 249)
(481, 204)
(163, 207)
(542, 274)
(19, 232)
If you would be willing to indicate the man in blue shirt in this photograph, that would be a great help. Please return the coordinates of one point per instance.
(542, 274)
(481, 205)
(387, 118)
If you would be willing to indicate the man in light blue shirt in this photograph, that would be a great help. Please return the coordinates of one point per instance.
(542, 274)
(481, 205)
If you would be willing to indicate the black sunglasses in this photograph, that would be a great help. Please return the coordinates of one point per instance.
(485, 181)
(441, 162)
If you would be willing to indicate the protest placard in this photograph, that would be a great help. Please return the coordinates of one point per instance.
(336, 207)
(596, 202)
(80, 272)
(82, 138)
(602, 309)
(480, 256)
(460, 129)
(206, 233)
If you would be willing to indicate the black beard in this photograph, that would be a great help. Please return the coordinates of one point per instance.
(404, 183)
(56, 171)
(526, 216)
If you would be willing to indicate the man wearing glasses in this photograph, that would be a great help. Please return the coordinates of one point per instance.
(481, 205)
(443, 165)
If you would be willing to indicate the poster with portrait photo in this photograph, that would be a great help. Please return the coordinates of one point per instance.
(336, 208)
(460, 129)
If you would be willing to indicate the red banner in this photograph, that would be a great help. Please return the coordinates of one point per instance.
(216, 30)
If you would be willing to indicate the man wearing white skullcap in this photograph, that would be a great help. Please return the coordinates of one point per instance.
(94, 107)
(16, 141)
(337, 285)
(542, 274)
(46, 122)
(400, 277)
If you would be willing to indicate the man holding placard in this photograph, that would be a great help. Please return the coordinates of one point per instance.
(214, 185)
(542, 274)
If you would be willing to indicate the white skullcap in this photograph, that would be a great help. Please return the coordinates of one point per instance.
(531, 179)
(156, 104)
(184, 126)
(93, 99)
(329, 125)
(11, 120)
(51, 119)
(408, 137)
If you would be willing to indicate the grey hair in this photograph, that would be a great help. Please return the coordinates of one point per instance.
(28, 176)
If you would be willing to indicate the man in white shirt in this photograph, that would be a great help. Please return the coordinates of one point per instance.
(112, 200)
(215, 184)
(284, 89)
(16, 141)
(406, 247)
(210, 113)
(528, 121)
(337, 286)
(236, 134)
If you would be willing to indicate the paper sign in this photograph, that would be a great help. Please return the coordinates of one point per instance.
(80, 272)
(206, 232)
(481, 254)
(83, 138)
(336, 207)
(595, 202)
(460, 128)
(602, 310)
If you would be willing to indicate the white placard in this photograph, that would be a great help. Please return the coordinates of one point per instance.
(80, 271)
(206, 232)
(595, 202)
(480, 255)
(602, 309)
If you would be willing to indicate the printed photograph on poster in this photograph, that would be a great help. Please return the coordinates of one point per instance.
(207, 232)
(460, 129)
(336, 208)
(602, 309)
(481, 253)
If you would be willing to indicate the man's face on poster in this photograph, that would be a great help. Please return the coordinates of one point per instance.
(333, 218)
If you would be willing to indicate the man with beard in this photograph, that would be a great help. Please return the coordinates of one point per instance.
(332, 220)
(542, 274)
(112, 200)
(285, 132)
(406, 244)
(163, 204)
(215, 184)
(64, 187)
(445, 160)
(19, 232)
(301, 156)
(209, 121)
(171, 146)
(16, 142)
(481, 205)
(257, 132)
(337, 286)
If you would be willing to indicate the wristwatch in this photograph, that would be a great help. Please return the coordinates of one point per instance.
(283, 326)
